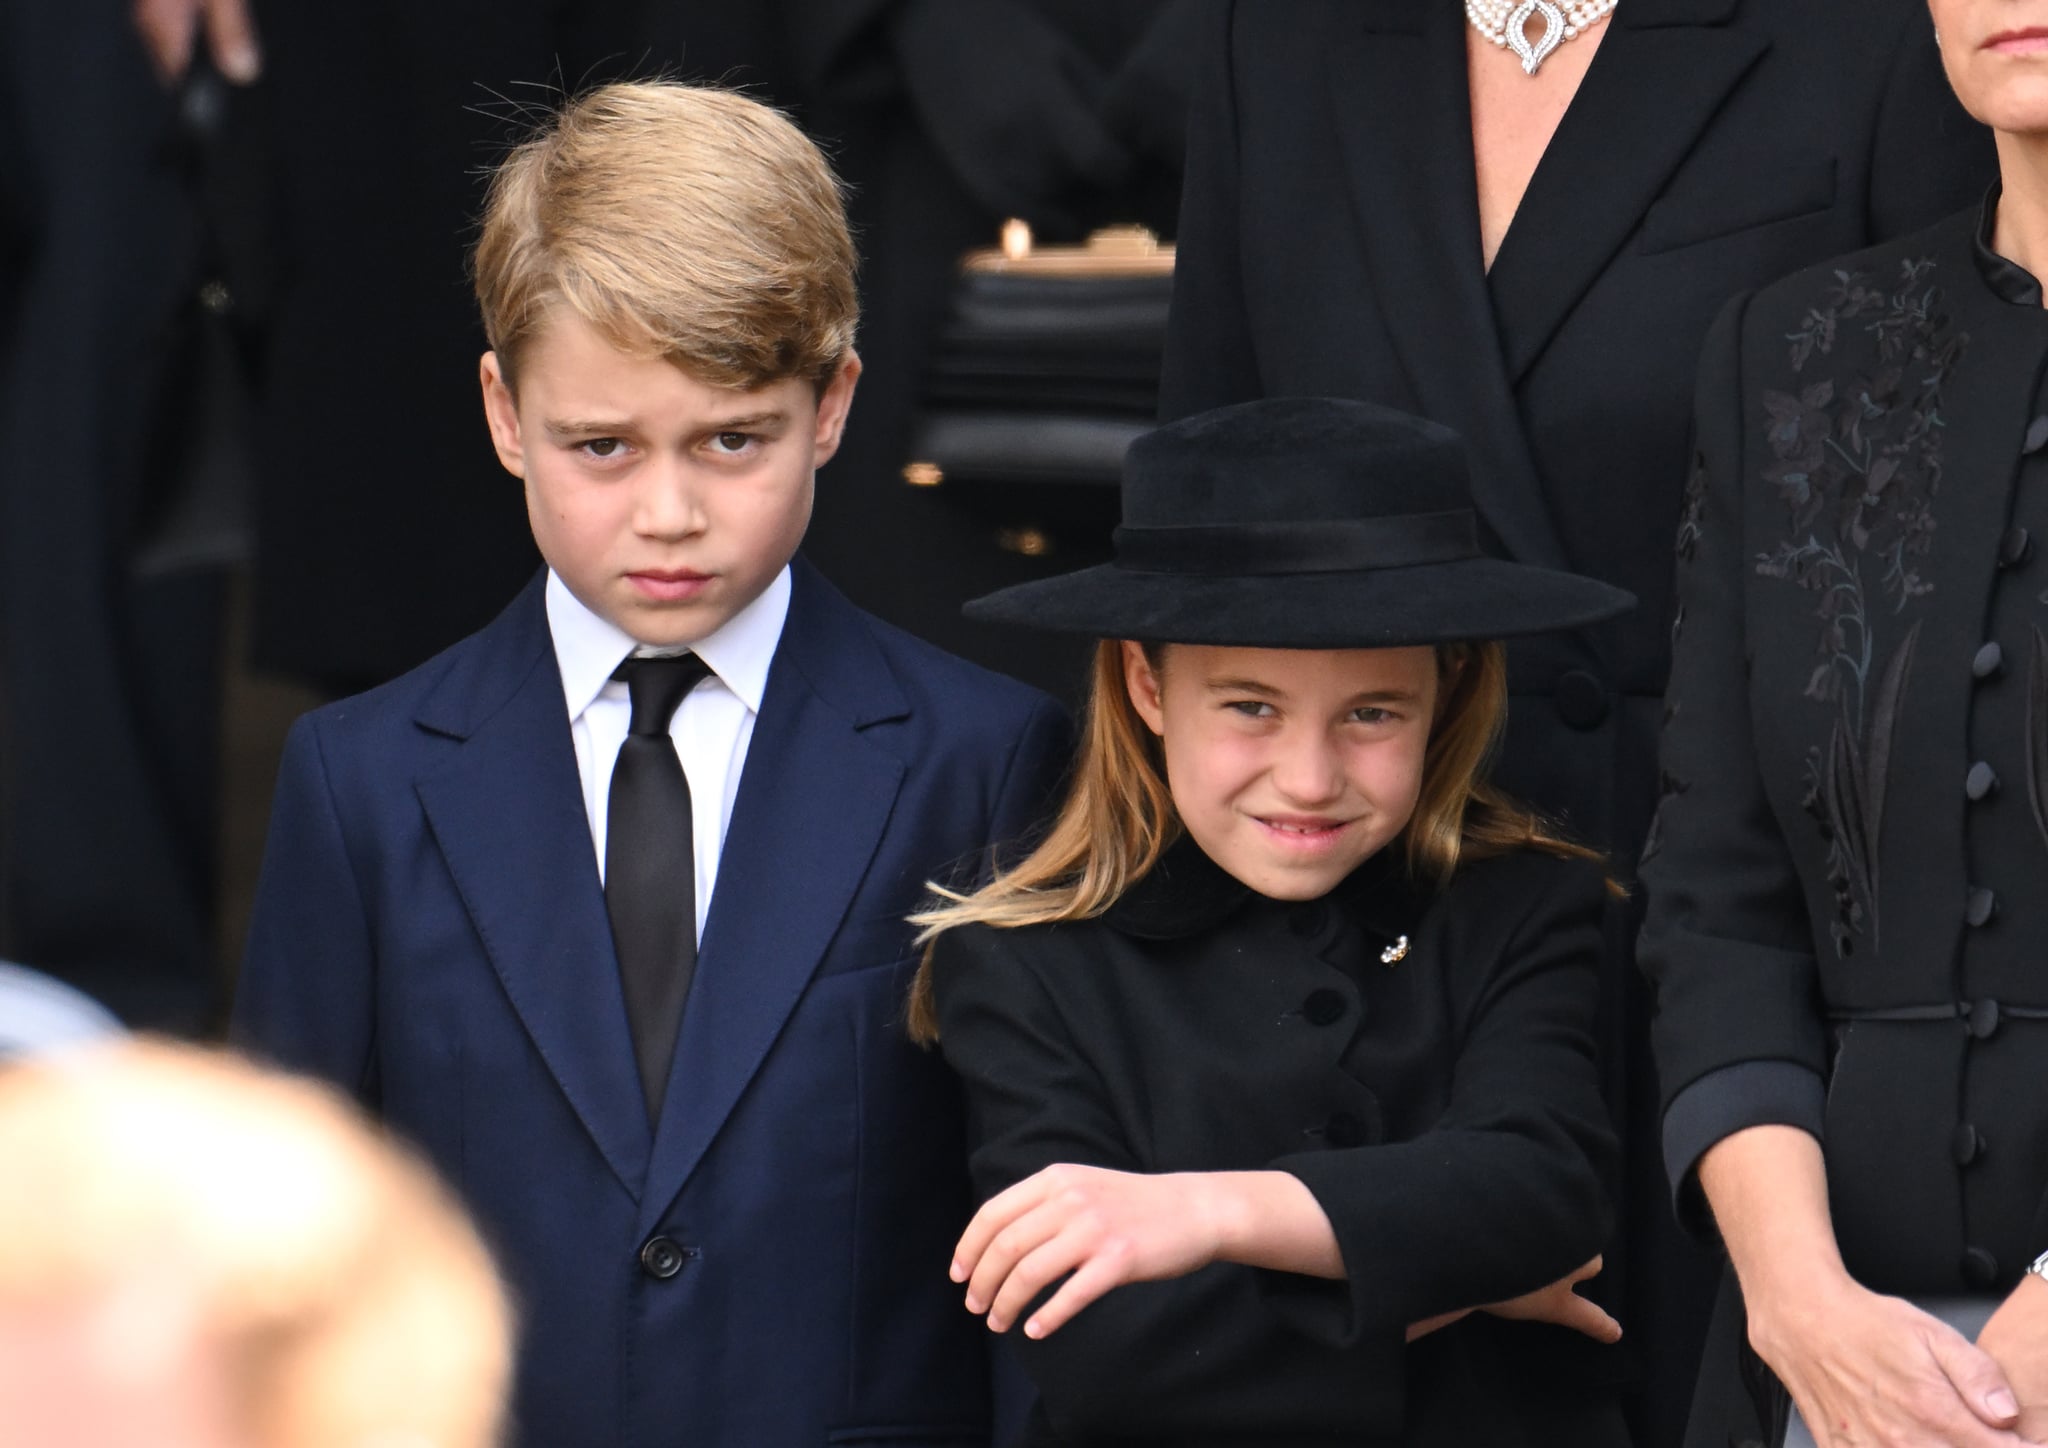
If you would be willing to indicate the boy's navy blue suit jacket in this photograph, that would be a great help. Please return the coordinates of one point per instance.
(430, 932)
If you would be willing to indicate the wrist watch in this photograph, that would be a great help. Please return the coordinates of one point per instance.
(2040, 1267)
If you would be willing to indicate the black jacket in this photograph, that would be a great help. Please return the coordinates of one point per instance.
(1443, 1109)
(1845, 912)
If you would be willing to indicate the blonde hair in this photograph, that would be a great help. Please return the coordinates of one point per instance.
(345, 1289)
(1118, 818)
(680, 221)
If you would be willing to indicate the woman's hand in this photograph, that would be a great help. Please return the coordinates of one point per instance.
(1877, 1372)
(2017, 1338)
(1108, 1228)
(1561, 1305)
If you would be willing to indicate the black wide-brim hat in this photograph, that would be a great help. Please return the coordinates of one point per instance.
(1302, 523)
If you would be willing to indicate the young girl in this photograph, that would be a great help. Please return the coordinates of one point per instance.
(1279, 1049)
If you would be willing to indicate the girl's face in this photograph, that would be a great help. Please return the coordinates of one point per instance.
(1996, 55)
(1289, 767)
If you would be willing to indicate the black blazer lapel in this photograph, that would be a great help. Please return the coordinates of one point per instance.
(1398, 91)
(508, 815)
(1671, 60)
(814, 800)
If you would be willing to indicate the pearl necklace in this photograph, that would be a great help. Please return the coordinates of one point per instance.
(1506, 23)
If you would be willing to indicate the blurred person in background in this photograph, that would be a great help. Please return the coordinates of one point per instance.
(112, 544)
(196, 1253)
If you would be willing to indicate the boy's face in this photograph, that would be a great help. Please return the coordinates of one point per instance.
(665, 504)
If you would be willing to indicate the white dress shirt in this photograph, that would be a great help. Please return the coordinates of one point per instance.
(711, 729)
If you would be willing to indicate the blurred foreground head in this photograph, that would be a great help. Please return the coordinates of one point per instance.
(196, 1253)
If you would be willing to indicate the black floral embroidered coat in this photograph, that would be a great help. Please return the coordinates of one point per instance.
(1845, 879)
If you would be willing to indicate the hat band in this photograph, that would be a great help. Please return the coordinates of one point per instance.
(1337, 546)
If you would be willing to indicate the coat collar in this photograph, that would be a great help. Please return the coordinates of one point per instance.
(1187, 894)
(506, 810)
(1467, 337)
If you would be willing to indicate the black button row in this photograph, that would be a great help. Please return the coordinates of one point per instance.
(1966, 1144)
(1989, 661)
(1980, 1267)
(1980, 781)
(1980, 907)
(1580, 699)
(2015, 548)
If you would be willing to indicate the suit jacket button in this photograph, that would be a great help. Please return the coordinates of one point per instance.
(661, 1259)
(2037, 436)
(1580, 698)
(1980, 781)
(1980, 1268)
(1980, 906)
(1988, 660)
(2015, 548)
(1983, 1019)
(1966, 1144)
(1323, 1007)
(1344, 1130)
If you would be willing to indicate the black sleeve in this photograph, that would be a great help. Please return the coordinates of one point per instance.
(1503, 1194)
(1929, 159)
(1201, 1355)
(1209, 361)
(1726, 941)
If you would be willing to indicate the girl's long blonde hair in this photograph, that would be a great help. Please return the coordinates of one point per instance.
(1118, 818)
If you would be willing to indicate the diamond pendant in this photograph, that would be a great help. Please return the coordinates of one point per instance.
(1518, 39)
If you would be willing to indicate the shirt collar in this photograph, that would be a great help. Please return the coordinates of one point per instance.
(2008, 280)
(589, 647)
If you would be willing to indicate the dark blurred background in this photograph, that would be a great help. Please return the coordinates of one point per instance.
(243, 467)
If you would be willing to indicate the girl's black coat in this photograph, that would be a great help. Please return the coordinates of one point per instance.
(1444, 1110)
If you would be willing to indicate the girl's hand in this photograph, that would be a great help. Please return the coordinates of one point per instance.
(1560, 1304)
(1877, 1372)
(1105, 1227)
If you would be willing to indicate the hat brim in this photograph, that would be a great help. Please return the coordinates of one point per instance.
(1470, 599)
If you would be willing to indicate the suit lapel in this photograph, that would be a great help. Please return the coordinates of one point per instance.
(1675, 60)
(1398, 90)
(508, 816)
(814, 800)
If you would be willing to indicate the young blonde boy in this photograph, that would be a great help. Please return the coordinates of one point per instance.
(630, 970)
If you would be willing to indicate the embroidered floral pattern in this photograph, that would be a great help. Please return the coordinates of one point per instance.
(1856, 462)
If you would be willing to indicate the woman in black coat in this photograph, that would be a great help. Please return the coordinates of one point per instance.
(1381, 205)
(1281, 1042)
(1845, 907)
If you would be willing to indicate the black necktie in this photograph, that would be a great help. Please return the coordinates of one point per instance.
(650, 870)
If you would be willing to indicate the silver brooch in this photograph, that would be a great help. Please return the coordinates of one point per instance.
(1397, 951)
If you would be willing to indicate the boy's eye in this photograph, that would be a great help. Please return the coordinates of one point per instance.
(733, 442)
(602, 447)
(1371, 714)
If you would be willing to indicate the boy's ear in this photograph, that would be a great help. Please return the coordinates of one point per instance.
(834, 403)
(1141, 682)
(501, 411)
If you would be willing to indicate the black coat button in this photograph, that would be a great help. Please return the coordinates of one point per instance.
(1344, 1130)
(1983, 1019)
(661, 1259)
(1987, 661)
(1980, 1268)
(2015, 548)
(1980, 906)
(1323, 1007)
(2037, 435)
(1965, 1144)
(1980, 781)
(1580, 698)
